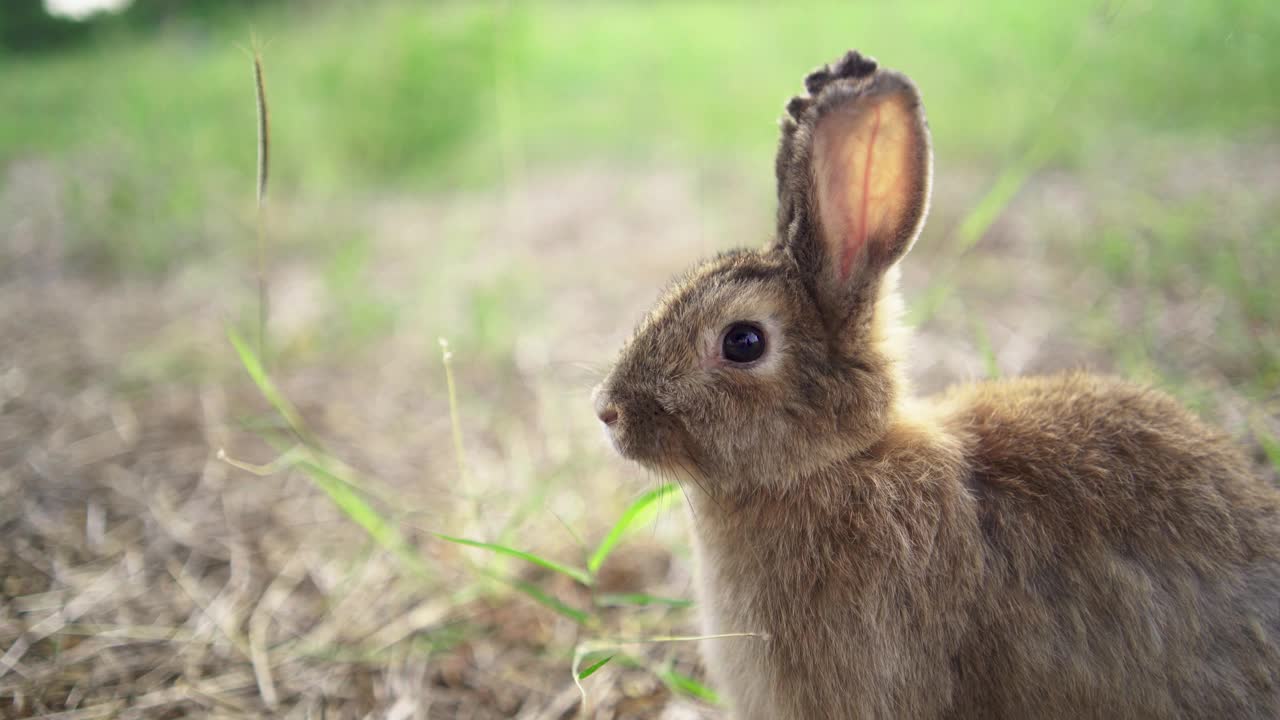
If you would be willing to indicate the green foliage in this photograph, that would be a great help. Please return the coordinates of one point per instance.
(330, 476)
(257, 372)
(685, 685)
(548, 600)
(640, 513)
(149, 14)
(25, 26)
(577, 574)
(342, 491)
(154, 159)
(638, 600)
(402, 94)
(593, 667)
(352, 502)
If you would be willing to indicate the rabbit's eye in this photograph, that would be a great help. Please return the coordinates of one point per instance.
(743, 343)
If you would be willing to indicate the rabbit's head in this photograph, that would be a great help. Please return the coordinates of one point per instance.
(761, 365)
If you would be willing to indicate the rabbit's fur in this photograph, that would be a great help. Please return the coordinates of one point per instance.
(1061, 547)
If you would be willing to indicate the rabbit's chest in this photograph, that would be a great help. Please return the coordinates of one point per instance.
(819, 643)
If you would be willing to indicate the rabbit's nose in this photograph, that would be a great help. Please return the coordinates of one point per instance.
(605, 409)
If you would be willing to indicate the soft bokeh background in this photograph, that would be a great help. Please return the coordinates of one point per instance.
(521, 178)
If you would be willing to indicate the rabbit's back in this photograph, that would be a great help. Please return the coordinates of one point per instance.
(1131, 559)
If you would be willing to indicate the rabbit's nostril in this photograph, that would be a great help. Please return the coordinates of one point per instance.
(608, 415)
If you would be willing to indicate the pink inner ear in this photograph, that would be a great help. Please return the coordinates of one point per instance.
(854, 245)
(865, 174)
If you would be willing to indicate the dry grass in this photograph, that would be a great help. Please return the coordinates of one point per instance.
(145, 578)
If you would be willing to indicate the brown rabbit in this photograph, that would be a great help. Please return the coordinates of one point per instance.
(1060, 547)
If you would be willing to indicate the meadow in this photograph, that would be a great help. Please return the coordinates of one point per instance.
(386, 492)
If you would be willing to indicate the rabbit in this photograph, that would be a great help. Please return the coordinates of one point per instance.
(1071, 546)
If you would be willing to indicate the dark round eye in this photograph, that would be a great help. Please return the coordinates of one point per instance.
(743, 343)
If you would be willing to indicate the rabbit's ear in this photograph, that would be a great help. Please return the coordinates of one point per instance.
(854, 171)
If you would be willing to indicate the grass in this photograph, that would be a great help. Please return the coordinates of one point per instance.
(347, 495)
(391, 95)
(1098, 201)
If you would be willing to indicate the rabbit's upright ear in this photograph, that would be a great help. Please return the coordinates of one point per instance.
(854, 170)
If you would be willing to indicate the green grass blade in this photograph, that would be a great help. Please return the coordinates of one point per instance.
(576, 573)
(684, 685)
(545, 599)
(253, 365)
(639, 600)
(346, 494)
(350, 501)
(594, 667)
(640, 512)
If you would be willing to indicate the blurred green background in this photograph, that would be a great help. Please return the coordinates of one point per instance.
(414, 97)
(145, 118)
(522, 178)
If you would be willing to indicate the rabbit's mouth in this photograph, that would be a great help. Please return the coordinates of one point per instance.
(668, 459)
(655, 444)
(640, 430)
(660, 452)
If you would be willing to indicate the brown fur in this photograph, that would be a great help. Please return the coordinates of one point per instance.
(1062, 547)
